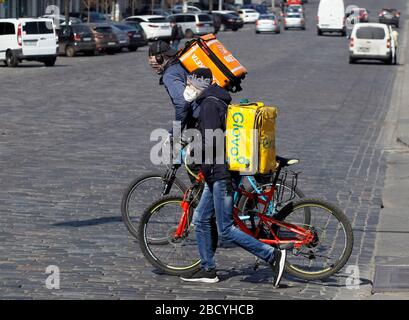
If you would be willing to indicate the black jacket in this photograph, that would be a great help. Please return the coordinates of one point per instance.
(213, 104)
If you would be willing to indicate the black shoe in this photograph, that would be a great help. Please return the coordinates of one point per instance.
(278, 266)
(202, 276)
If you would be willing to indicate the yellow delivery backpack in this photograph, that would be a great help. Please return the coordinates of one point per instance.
(250, 138)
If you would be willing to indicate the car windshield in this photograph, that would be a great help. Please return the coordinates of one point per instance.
(159, 19)
(204, 17)
(124, 27)
(373, 33)
(293, 15)
(103, 29)
(266, 17)
(81, 29)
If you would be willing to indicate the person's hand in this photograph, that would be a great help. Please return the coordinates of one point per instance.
(154, 64)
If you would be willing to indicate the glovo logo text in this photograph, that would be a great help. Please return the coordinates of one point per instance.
(237, 139)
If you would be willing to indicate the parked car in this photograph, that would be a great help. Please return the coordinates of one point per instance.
(122, 37)
(194, 24)
(373, 41)
(105, 38)
(135, 36)
(294, 20)
(179, 9)
(154, 27)
(331, 17)
(389, 16)
(361, 13)
(28, 39)
(268, 23)
(249, 15)
(138, 27)
(230, 20)
(74, 39)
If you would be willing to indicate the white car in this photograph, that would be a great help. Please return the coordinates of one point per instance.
(193, 23)
(249, 15)
(268, 23)
(155, 27)
(294, 20)
(28, 39)
(373, 41)
(331, 17)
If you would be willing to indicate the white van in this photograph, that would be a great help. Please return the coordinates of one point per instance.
(331, 17)
(373, 41)
(28, 39)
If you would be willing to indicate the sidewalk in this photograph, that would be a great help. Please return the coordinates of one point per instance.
(391, 278)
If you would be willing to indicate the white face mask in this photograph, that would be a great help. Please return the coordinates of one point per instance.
(190, 94)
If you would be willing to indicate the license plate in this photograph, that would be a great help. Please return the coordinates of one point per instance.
(86, 39)
(363, 49)
(111, 43)
(325, 25)
(30, 43)
(136, 35)
(164, 27)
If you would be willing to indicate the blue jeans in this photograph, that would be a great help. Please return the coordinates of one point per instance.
(175, 44)
(217, 198)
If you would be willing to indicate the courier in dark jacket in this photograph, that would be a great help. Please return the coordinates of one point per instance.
(217, 196)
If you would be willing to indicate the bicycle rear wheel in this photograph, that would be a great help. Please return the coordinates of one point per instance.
(332, 244)
(140, 193)
(173, 256)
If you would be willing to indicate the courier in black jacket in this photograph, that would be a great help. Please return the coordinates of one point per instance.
(217, 197)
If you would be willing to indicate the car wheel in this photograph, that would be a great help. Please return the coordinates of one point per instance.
(133, 49)
(235, 29)
(110, 52)
(389, 61)
(351, 60)
(319, 32)
(50, 62)
(11, 60)
(257, 31)
(70, 51)
(189, 34)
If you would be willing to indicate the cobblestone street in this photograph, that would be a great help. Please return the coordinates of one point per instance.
(72, 137)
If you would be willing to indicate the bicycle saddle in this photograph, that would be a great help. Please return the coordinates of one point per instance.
(286, 162)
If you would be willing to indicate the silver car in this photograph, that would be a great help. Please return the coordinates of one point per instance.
(294, 20)
(268, 23)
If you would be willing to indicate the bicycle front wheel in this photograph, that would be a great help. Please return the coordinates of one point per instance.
(332, 242)
(173, 256)
(140, 193)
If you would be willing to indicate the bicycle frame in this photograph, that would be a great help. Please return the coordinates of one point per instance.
(302, 237)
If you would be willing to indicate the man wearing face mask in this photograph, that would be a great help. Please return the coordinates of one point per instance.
(163, 59)
(217, 197)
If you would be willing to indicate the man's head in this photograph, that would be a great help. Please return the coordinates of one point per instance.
(172, 22)
(197, 81)
(159, 54)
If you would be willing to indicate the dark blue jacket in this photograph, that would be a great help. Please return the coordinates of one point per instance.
(174, 79)
(213, 116)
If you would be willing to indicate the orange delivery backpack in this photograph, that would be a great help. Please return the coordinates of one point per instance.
(208, 52)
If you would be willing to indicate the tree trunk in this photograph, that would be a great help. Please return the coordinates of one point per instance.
(67, 12)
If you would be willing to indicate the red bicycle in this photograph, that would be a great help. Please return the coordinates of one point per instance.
(316, 233)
